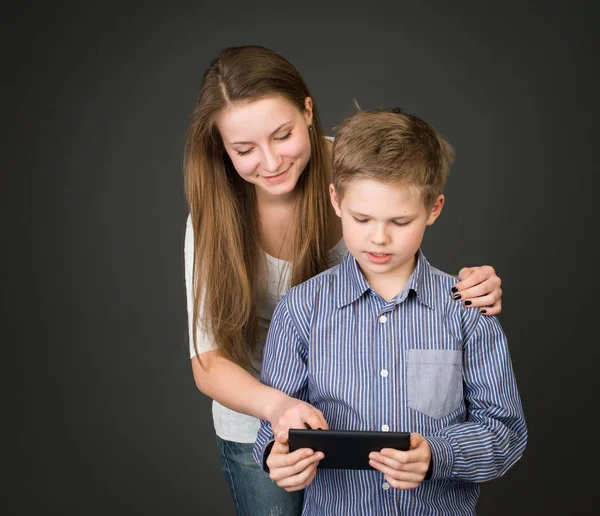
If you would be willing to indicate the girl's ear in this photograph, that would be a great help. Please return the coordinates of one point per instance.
(308, 110)
(335, 201)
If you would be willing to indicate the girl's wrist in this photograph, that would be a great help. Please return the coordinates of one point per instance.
(271, 402)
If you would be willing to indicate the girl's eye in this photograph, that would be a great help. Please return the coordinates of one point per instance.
(284, 137)
(243, 153)
(361, 221)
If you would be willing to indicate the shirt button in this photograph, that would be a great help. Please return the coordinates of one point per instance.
(385, 486)
(383, 372)
(385, 428)
(383, 319)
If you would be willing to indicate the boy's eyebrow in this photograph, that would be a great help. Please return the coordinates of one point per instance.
(274, 132)
(357, 214)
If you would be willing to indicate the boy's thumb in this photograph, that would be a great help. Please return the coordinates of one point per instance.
(415, 440)
(282, 437)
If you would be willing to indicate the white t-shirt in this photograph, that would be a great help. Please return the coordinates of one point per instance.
(231, 425)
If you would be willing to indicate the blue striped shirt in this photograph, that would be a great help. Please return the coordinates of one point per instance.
(420, 362)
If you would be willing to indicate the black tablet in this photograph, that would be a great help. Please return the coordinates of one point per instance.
(347, 449)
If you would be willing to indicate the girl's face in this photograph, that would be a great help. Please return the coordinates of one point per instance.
(268, 142)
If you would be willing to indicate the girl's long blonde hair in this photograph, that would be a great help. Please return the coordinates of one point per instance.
(227, 252)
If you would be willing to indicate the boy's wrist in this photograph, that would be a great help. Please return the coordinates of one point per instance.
(266, 453)
(443, 456)
(429, 470)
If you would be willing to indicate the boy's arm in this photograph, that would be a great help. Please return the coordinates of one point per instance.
(495, 434)
(283, 367)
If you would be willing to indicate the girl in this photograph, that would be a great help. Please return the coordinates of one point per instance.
(257, 171)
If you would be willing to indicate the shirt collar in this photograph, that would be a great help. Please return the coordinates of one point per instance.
(356, 284)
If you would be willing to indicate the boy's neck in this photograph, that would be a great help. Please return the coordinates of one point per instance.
(389, 285)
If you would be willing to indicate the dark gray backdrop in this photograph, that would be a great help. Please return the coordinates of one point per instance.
(101, 407)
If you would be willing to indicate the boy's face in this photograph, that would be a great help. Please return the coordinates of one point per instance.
(383, 226)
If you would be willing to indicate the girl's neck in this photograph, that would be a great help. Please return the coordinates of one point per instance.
(266, 202)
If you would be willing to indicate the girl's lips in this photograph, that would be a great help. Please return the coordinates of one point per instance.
(278, 178)
(379, 258)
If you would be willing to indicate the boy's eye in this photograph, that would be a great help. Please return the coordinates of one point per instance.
(284, 137)
(401, 223)
(361, 221)
(243, 153)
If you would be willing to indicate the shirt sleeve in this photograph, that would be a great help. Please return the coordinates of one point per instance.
(495, 434)
(204, 340)
(284, 367)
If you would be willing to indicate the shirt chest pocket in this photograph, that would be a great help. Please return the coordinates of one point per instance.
(434, 381)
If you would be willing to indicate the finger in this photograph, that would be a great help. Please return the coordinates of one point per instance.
(284, 470)
(387, 460)
(487, 292)
(315, 419)
(416, 440)
(495, 309)
(465, 272)
(476, 275)
(401, 484)
(279, 449)
(395, 474)
(282, 437)
(282, 460)
(308, 481)
(298, 480)
(405, 459)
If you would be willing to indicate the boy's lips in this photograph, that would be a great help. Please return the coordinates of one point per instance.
(378, 258)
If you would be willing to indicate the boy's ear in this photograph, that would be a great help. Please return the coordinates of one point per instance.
(308, 110)
(436, 209)
(335, 200)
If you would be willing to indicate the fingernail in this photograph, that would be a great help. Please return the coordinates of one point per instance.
(454, 289)
(483, 311)
(467, 303)
(457, 296)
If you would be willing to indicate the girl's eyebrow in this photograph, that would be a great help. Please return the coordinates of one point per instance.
(274, 132)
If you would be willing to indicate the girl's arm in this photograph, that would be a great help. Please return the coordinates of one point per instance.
(232, 386)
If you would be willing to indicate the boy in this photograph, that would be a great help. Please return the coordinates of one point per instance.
(376, 343)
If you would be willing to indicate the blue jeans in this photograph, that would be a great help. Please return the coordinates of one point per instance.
(252, 491)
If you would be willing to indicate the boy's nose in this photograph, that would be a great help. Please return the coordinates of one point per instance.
(380, 236)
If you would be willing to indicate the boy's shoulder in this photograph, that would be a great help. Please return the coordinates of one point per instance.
(328, 279)
(471, 317)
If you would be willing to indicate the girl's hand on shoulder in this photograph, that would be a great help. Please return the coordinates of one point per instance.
(479, 287)
(292, 471)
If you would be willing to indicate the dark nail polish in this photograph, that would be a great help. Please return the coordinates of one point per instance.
(454, 289)
(483, 311)
(457, 296)
(467, 303)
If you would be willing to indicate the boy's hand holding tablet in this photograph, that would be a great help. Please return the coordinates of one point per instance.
(404, 469)
(292, 471)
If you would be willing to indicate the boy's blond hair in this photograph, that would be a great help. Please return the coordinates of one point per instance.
(391, 146)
